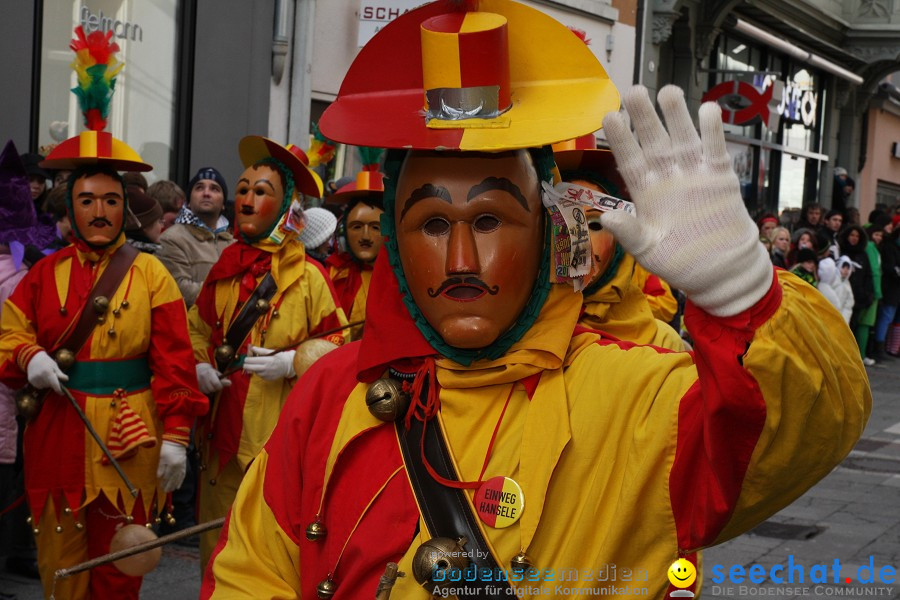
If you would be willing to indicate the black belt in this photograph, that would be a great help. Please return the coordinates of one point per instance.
(445, 509)
(247, 318)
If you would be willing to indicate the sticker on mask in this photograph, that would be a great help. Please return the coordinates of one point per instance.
(585, 197)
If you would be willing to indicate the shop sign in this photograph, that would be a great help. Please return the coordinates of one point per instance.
(764, 100)
(91, 22)
(375, 14)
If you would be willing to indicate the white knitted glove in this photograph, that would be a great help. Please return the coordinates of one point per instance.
(172, 465)
(209, 379)
(43, 372)
(691, 228)
(268, 364)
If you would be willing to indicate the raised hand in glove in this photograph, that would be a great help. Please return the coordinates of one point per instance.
(209, 379)
(172, 465)
(691, 227)
(43, 372)
(268, 364)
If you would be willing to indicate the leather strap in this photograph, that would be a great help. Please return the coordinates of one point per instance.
(240, 328)
(119, 264)
(445, 510)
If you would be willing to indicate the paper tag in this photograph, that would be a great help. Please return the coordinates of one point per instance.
(295, 221)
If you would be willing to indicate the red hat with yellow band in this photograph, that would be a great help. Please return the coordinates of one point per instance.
(96, 65)
(486, 75)
(254, 148)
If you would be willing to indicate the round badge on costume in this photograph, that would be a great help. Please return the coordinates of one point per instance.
(499, 502)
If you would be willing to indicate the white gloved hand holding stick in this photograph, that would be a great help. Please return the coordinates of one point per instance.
(172, 465)
(268, 364)
(692, 228)
(209, 379)
(43, 372)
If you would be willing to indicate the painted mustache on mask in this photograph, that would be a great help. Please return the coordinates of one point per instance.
(472, 281)
(100, 221)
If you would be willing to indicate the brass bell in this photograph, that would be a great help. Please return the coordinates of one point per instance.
(29, 520)
(439, 554)
(148, 525)
(224, 354)
(111, 332)
(28, 403)
(65, 358)
(326, 589)
(129, 519)
(36, 531)
(262, 305)
(63, 311)
(67, 511)
(386, 400)
(79, 526)
(59, 529)
(124, 304)
(101, 305)
(157, 521)
(170, 520)
(275, 313)
(521, 562)
(116, 311)
(315, 531)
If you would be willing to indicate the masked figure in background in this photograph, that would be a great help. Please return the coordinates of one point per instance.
(613, 304)
(261, 295)
(529, 444)
(360, 234)
(108, 323)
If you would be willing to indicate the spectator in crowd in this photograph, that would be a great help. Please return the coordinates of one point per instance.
(135, 179)
(37, 180)
(789, 218)
(195, 242)
(170, 197)
(828, 231)
(318, 234)
(842, 192)
(802, 238)
(851, 216)
(56, 208)
(144, 229)
(810, 217)
(766, 223)
(842, 287)
(781, 245)
(805, 268)
(889, 247)
(766, 242)
(828, 277)
(853, 241)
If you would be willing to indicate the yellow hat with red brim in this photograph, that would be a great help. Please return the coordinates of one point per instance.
(94, 148)
(601, 163)
(486, 75)
(368, 183)
(254, 148)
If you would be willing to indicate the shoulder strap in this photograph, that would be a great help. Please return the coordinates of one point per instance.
(119, 264)
(445, 510)
(240, 328)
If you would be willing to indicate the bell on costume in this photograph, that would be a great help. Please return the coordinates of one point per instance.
(386, 399)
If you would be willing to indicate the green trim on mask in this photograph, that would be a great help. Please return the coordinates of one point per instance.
(285, 201)
(90, 171)
(543, 162)
(608, 274)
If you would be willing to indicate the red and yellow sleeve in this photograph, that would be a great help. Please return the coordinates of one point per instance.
(18, 339)
(254, 558)
(178, 398)
(662, 301)
(200, 329)
(781, 398)
(324, 307)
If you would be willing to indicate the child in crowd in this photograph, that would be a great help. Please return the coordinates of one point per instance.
(805, 268)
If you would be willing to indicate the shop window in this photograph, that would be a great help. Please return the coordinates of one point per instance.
(143, 105)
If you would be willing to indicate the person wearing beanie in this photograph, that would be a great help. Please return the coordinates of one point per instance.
(98, 332)
(193, 244)
(260, 296)
(805, 268)
(318, 233)
(842, 190)
(619, 453)
(145, 223)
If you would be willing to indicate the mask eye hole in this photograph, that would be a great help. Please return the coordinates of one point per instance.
(436, 226)
(486, 223)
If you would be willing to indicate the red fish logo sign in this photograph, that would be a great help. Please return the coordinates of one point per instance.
(743, 104)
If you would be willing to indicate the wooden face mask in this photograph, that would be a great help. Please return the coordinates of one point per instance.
(258, 199)
(364, 232)
(98, 208)
(603, 244)
(470, 235)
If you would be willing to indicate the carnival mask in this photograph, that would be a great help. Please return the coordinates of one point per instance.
(258, 200)
(364, 232)
(603, 244)
(470, 235)
(98, 208)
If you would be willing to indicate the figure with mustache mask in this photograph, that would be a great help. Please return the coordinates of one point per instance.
(360, 234)
(613, 303)
(261, 295)
(476, 428)
(107, 323)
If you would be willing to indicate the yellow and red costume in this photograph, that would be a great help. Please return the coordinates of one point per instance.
(662, 301)
(619, 309)
(146, 362)
(351, 280)
(246, 412)
(705, 450)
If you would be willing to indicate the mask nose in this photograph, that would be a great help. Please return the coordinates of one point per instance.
(462, 252)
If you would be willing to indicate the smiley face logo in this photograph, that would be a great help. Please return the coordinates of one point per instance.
(682, 573)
